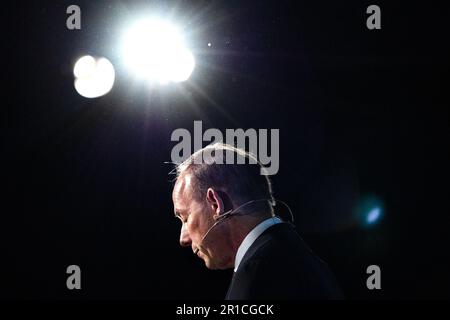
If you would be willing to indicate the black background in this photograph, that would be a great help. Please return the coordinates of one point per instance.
(361, 113)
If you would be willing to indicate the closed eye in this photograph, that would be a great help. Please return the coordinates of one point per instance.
(177, 215)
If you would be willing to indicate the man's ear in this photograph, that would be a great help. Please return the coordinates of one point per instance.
(215, 201)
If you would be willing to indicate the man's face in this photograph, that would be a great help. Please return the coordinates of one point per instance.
(197, 218)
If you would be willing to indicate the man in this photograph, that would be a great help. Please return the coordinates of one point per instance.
(228, 220)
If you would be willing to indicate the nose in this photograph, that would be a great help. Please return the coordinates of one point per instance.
(185, 240)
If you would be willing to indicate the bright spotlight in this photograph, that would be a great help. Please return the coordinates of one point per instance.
(154, 50)
(93, 78)
(373, 215)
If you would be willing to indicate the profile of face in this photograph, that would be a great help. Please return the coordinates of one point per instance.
(197, 217)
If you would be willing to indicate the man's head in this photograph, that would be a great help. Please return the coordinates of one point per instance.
(204, 190)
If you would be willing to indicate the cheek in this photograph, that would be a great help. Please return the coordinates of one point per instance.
(194, 228)
(198, 225)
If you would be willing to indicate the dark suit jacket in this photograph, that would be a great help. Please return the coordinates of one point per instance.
(279, 265)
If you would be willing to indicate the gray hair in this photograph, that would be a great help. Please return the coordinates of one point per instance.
(241, 180)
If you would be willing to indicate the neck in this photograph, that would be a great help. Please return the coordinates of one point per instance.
(240, 228)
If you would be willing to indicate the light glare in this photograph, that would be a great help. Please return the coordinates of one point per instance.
(93, 78)
(373, 215)
(154, 50)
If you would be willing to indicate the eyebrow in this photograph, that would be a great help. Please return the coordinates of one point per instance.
(177, 213)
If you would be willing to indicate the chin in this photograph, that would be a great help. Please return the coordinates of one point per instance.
(215, 266)
(210, 265)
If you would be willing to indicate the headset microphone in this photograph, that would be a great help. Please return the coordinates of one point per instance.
(234, 212)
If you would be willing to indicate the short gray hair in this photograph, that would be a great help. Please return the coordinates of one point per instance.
(242, 181)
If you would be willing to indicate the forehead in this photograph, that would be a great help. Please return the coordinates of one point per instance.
(182, 190)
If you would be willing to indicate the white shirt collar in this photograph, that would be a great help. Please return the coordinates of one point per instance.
(251, 237)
